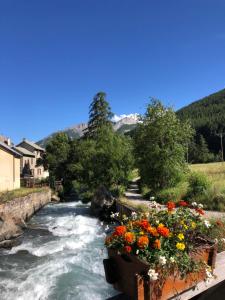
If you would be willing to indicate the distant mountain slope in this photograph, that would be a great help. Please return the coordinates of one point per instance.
(123, 124)
(207, 116)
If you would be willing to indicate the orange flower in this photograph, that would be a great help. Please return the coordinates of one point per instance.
(127, 249)
(171, 205)
(163, 231)
(157, 244)
(142, 242)
(144, 224)
(153, 231)
(120, 230)
(129, 237)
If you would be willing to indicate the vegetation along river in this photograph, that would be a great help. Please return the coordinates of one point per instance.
(60, 257)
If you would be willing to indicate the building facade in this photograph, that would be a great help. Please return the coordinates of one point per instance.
(31, 152)
(9, 167)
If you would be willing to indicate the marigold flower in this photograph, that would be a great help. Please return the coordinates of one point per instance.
(153, 231)
(144, 224)
(171, 205)
(180, 236)
(120, 230)
(143, 242)
(129, 237)
(127, 249)
(180, 246)
(163, 231)
(183, 203)
(157, 244)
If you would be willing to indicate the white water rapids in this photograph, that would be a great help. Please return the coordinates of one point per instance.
(60, 258)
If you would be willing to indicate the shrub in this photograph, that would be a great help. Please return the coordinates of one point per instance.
(176, 193)
(198, 185)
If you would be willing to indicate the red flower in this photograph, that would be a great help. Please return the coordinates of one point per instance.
(171, 205)
(200, 211)
(183, 203)
(144, 224)
(127, 249)
(163, 231)
(120, 230)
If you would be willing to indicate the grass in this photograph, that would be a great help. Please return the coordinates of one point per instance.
(22, 192)
(136, 206)
(215, 172)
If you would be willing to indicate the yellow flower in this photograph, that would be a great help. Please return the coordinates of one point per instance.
(193, 225)
(180, 246)
(141, 233)
(185, 227)
(160, 225)
(180, 236)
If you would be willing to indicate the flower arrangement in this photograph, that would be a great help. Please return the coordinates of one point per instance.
(164, 239)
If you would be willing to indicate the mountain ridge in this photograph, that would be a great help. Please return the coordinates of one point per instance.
(123, 124)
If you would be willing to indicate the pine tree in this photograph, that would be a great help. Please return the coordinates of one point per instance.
(99, 116)
(203, 151)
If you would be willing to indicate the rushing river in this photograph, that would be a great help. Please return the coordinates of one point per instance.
(60, 258)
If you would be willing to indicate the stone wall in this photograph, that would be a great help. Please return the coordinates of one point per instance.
(15, 213)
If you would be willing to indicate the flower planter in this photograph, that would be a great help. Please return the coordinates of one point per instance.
(128, 274)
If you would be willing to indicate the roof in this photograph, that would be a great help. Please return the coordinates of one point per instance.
(24, 151)
(9, 149)
(32, 144)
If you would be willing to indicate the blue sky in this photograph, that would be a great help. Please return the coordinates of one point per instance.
(55, 55)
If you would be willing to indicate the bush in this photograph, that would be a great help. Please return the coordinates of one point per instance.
(176, 193)
(198, 185)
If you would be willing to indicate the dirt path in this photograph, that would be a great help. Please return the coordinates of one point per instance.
(134, 197)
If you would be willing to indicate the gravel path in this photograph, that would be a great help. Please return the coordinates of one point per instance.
(136, 198)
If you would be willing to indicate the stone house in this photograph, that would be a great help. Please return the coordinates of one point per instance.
(9, 167)
(31, 152)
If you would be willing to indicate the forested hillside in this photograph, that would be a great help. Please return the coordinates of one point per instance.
(207, 116)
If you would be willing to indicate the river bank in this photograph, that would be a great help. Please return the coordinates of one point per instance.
(60, 257)
(14, 214)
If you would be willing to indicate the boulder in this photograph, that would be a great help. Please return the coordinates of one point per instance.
(103, 203)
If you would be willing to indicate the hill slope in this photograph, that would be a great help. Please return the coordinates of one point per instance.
(207, 116)
(123, 125)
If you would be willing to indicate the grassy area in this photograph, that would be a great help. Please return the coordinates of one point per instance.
(208, 187)
(22, 192)
(215, 172)
(137, 207)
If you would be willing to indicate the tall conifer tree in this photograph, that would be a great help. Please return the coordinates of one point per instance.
(99, 116)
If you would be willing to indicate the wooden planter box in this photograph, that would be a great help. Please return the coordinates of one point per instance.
(127, 273)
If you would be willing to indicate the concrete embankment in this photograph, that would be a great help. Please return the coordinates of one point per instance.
(15, 213)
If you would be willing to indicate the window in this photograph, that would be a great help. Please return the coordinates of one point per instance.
(32, 161)
(39, 171)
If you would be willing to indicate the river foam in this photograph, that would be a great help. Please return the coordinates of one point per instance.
(66, 263)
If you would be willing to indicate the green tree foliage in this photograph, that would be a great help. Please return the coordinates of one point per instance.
(103, 157)
(198, 151)
(207, 117)
(99, 115)
(160, 146)
(106, 161)
(57, 152)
